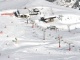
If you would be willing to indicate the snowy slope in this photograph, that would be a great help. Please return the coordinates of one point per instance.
(20, 41)
(9, 4)
(30, 44)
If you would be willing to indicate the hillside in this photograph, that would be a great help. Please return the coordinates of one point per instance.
(31, 38)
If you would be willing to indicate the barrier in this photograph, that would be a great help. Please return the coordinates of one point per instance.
(10, 14)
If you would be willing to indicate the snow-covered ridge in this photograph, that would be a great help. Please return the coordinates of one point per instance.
(68, 3)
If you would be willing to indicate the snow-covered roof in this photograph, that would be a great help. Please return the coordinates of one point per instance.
(24, 11)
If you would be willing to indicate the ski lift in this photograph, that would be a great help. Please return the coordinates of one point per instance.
(33, 13)
(23, 16)
(35, 10)
(42, 19)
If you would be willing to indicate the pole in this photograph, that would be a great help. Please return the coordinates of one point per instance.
(44, 34)
(69, 47)
(59, 42)
(69, 28)
(27, 20)
(59, 38)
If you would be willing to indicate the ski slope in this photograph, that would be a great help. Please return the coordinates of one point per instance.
(15, 4)
(22, 41)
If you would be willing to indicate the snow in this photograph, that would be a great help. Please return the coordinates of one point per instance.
(24, 41)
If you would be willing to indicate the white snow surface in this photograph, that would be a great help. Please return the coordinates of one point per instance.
(19, 41)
